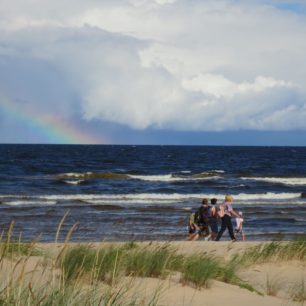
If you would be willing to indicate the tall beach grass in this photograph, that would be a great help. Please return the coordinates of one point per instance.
(273, 252)
(90, 275)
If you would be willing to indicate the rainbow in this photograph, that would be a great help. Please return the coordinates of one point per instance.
(53, 128)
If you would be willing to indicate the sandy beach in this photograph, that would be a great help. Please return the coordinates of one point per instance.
(272, 281)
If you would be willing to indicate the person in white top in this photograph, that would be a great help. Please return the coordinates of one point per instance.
(239, 224)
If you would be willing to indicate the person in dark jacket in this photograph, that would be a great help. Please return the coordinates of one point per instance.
(203, 219)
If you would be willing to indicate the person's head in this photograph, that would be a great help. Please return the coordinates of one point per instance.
(204, 202)
(228, 198)
(213, 201)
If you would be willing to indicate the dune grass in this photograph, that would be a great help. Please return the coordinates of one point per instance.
(87, 281)
(90, 276)
(272, 285)
(298, 292)
(109, 263)
(23, 282)
(87, 275)
(71, 296)
(103, 264)
(150, 263)
(200, 270)
(273, 251)
(10, 246)
(19, 249)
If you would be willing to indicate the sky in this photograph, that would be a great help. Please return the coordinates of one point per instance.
(153, 72)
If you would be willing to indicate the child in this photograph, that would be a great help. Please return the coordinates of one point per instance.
(193, 227)
(239, 224)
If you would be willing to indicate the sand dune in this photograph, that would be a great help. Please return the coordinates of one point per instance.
(273, 280)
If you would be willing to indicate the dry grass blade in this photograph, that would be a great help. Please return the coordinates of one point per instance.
(60, 225)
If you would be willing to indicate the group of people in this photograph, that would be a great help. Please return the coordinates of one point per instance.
(205, 220)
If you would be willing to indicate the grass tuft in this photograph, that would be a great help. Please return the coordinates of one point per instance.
(273, 285)
(149, 262)
(274, 251)
(19, 249)
(199, 270)
(298, 292)
(108, 263)
(104, 263)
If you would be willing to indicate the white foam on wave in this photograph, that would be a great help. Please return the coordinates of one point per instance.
(75, 182)
(75, 174)
(212, 175)
(171, 197)
(130, 201)
(153, 178)
(242, 198)
(18, 203)
(267, 196)
(298, 181)
(300, 220)
(125, 197)
(171, 178)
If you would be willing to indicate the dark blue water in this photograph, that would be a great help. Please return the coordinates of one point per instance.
(146, 192)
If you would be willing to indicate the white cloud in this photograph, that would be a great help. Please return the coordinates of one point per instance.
(220, 87)
(184, 65)
(162, 2)
(150, 3)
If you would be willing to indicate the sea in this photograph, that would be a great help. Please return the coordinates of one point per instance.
(91, 193)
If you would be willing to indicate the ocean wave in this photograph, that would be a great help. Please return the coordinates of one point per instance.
(140, 197)
(159, 197)
(152, 178)
(210, 172)
(24, 202)
(267, 196)
(107, 207)
(73, 182)
(174, 178)
(298, 181)
(92, 175)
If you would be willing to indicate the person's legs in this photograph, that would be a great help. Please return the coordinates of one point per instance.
(206, 230)
(229, 226)
(193, 233)
(193, 237)
(222, 229)
(214, 229)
